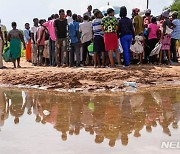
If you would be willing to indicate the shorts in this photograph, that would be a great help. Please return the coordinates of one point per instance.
(111, 41)
(99, 44)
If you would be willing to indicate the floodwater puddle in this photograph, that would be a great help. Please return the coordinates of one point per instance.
(44, 122)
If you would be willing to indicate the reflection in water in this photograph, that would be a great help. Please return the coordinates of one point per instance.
(106, 117)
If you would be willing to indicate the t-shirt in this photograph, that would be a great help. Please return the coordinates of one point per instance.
(97, 27)
(176, 30)
(86, 29)
(153, 31)
(61, 26)
(73, 29)
(109, 24)
(69, 19)
(34, 30)
(125, 27)
(139, 21)
(50, 27)
(41, 33)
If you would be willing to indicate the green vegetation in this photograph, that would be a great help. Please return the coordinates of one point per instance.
(176, 6)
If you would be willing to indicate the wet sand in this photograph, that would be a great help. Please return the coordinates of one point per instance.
(89, 78)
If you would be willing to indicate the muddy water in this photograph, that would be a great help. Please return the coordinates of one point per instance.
(36, 122)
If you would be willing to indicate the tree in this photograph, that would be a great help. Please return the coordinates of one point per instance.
(176, 6)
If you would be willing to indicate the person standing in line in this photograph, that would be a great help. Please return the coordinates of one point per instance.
(86, 37)
(175, 35)
(166, 38)
(34, 30)
(152, 37)
(27, 39)
(98, 39)
(15, 37)
(60, 26)
(4, 33)
(89, 11)
(138, 26)
(40, 42)
(1, 47)
(110, 27)
(75, 41)
(69, 16)
(126, 33)
(52, 53)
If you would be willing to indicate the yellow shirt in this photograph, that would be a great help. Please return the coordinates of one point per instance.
(139, 21)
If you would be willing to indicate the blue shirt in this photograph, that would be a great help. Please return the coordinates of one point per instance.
(176, 31)
(26, 35)
(97, 27)
(73, 29)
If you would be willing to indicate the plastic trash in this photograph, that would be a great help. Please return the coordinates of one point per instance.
(46, 113)
(131, 84)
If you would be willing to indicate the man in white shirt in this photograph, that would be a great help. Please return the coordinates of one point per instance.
(34, 30)
(86, 38)
(89, 10)
(69, 16)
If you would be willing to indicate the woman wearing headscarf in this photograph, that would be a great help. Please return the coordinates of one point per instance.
(15, 37)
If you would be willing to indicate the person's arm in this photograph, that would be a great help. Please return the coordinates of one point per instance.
(77, 33)
(132, 29)
(22, 39)
(55, 29)
(9, 37)
(32, 36)
(6, 40)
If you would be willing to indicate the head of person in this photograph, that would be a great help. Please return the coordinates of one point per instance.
(49, 18)
(89, 8)
(98, 14)
(75, 17)
(85, 18)
(56, 16)
(69, 13)
(148, 13)
(16, 120)
(165, 14)
(14, 25)
(153, 20)
(27, 26)
(110, 12)
(135, 11)
(52, 16)
(175, 15)
(41, 22)
(62, 13)
(95, 11)
(123, 12)
(35, 21)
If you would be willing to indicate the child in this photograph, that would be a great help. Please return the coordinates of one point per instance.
(99, 47)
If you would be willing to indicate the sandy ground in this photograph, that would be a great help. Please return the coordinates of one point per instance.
(89, 78)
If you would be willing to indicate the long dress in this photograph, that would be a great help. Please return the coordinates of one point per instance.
(15, 44)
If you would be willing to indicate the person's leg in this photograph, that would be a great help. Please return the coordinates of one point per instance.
(173, 49)
(72, 55)
(95, 59)
(103, 58)
(125, 46)
(41, 55)
(77, 52)
(84, 53)
(160, 57)
(18, 62)
(58, 53)
(110, 53)
(118, 57)
(50, 51)
(53, 53)
(169, 56)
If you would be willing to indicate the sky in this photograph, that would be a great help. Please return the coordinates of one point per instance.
(23, 11)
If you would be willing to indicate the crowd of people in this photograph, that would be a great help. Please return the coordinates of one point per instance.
(102, 40)
(107, 118)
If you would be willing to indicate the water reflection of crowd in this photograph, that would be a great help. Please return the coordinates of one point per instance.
(111, 118)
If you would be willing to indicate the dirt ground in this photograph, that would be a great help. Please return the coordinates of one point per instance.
(89, 78)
